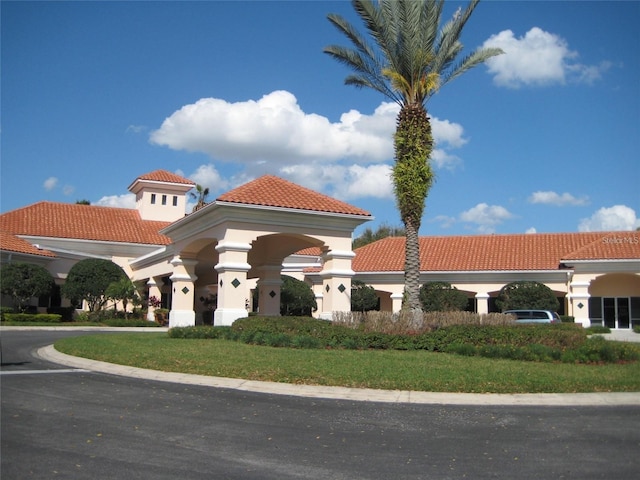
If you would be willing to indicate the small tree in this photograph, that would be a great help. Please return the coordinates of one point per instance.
(383, 231)
(89, 279)
(296, 297)
(200, 196)
(363, 297)
(442, 297)
(526, 295)
(122, 290)
(24, 281)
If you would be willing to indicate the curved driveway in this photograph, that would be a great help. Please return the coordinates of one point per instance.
(62, 421)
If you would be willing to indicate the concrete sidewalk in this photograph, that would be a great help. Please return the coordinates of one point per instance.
(343, 393)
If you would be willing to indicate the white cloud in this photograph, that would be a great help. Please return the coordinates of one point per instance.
(445, 221)
(136, 128)
(616, 218)
(538, 58)
(442, 159)
(344, 182)
(486, 217)
(208, 177)
(276, 130)
(50, 183)
(559, 200)
(447, 132)
(531, 230)
(68, 190)
(127, 200)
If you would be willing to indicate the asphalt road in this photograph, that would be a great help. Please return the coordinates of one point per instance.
(67, 423)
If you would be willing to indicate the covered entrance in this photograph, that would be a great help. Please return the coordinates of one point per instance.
(240, 242)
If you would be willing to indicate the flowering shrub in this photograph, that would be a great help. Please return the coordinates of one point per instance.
(155, 302)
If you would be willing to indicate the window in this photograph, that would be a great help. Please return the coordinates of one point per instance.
(153, 198)
(175, 201)
(164, 199)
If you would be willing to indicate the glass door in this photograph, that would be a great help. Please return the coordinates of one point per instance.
(622, 307)
(609, 312)
(616, 312)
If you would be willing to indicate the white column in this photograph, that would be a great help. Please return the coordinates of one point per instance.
(482, 302)
(396, 302)
(154, 291)
(182, 294)
(336, 283)
(233, 289)
(269, 287)
(579, 298)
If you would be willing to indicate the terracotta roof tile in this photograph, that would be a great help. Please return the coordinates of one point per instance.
(493, 252)
(313, 251)
(610, 246)
(86, 222)
(165, 176)
(11, 243)
(273, 191)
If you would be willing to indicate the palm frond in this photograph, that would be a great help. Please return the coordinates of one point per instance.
(472, 60)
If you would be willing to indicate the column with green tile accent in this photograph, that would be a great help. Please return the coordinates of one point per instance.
(579, 301)
(336, 282)
(269, 287)
(182, 290)
(233, 291)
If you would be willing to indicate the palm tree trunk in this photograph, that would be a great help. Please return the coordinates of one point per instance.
(412, 268)
(412, 179)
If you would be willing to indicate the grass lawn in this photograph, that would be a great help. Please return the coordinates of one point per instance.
(383, 369)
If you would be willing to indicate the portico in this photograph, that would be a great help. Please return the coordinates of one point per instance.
(240, 242)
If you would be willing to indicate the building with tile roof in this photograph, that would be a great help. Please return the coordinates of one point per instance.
(247, 237)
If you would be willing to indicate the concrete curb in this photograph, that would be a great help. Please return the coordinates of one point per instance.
(342, 393)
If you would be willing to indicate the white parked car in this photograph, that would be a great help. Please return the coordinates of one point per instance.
(534, 316)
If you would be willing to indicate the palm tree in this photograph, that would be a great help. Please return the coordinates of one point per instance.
(412, 58)
(200, 195)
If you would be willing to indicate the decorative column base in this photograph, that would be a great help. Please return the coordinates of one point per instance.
(182, 318)
(223, 317)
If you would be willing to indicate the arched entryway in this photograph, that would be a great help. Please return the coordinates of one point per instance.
(225, 247)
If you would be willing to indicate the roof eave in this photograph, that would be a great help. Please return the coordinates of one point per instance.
(364, 217)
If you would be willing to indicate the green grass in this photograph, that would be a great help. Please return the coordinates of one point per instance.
(383, 369)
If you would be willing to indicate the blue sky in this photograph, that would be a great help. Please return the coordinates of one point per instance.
(546, 138)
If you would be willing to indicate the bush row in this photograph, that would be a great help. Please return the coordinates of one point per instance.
(543, 343)
(32, 317)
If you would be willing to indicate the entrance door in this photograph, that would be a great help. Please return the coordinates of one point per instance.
(615, 312)
(622, 305)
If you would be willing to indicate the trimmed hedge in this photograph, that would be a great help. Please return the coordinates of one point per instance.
(542, 343)
(597, 329)
(33, 317)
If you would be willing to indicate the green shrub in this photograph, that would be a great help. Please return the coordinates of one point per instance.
(541, 343)
(597, 329)
(636, 328)
(5, 310)
(598, 350)
(200, 332)
(519, 335)
(32, 317)
(65, 312)
(306, 341)
(567, 319)
(131, 322)
(461, 349)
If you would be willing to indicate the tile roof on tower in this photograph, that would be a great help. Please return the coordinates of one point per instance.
(165, 176)
(272, 191)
